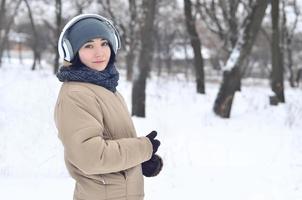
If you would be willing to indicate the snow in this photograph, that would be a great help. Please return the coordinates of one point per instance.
(230, 64)
(182, 52)
(235, 54)
(255, 155)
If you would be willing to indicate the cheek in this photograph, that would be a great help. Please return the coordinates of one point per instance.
(108, 52)
(84, 56)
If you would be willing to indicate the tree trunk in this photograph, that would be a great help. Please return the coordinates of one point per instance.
(232, 70)
(286, 42)
(287, 39)
(145, 59)
(159, 59)
(299, 76)
(58, 31)
(4, 37)
(20, 52)
(35, 36)
(196, 45)
(2, 15)
(277, 57)
(233, 22)
(290, 62)
(130, 57)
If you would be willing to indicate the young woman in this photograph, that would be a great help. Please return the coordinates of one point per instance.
(101, 149)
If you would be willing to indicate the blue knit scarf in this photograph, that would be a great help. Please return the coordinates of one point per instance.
(108, 78)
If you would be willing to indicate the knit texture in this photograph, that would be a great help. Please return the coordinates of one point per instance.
(108, 78)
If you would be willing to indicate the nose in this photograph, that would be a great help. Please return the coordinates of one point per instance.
(99, 52)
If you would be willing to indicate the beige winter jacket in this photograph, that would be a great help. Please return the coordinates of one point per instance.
(102, 152)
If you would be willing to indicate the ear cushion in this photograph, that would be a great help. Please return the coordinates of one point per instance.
(67, 48)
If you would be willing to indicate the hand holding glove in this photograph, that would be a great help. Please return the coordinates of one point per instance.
(153, 166)
(155, 143)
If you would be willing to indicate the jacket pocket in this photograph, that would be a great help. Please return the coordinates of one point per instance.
(110, 186)
(135, 180)
(99, 180)
(115, 185)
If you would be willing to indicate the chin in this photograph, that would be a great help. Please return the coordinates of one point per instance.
(98, 68)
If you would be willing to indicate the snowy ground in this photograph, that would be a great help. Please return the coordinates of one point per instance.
(255, 155)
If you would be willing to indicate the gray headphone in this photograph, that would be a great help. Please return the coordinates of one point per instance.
(64, 45)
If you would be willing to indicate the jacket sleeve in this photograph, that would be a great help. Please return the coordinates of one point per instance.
(81, 134)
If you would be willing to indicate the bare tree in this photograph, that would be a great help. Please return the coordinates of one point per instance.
(196, 45)
(277, 57)
(232, 70)
(80, 5)
(167, 34)
(127, 29)
(299, 76)
(288, 36)
(2, 27)
(145, 59)
(131, 39)
(54, 32)
(2, 13)
(222, 19)
(107, 6)
(36, 53)
(5, 26)
(58, 12)
(165, 42)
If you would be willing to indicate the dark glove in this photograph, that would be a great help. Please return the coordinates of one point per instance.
(153, 166)
(155, 143)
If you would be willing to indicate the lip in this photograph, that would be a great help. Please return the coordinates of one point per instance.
(98, 61)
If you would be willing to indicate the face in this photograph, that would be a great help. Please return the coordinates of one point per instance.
(95, 54)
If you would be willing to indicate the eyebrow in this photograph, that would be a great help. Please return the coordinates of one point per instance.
(102, 40)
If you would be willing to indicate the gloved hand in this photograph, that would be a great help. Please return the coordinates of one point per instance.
(155, 143)
(153, 166)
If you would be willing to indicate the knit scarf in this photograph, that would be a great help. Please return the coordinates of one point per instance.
(108, 78)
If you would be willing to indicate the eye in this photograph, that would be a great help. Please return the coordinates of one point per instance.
(88, 46)
(105, 43)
